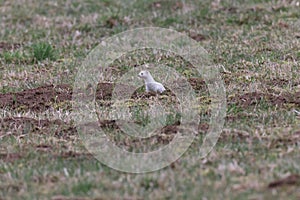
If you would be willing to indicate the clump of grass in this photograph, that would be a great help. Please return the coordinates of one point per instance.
(16, 57)
(42, 51)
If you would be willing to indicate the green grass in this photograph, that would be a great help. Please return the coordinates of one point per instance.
(16, 57)
(256, 41)
(42, 51)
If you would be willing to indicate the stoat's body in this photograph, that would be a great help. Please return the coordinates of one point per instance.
(150, 83)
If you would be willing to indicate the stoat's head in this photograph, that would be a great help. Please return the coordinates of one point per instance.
(144, 74)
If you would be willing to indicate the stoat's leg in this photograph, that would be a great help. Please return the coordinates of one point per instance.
(147, 89)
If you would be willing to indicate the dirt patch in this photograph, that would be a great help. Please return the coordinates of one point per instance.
(254, 98)
(37, 99)
(4, 46)
(278, 82)
(44, 97)
(10, 157)
(293, 179)
(203, 127)
(104, 91)
(287, 98)
(197, 84)
(43, 148)
(198, 37)
(145, 95)
(286, 139)
(248, 99)
(72, 154)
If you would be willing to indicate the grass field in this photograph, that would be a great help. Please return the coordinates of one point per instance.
(256, 42)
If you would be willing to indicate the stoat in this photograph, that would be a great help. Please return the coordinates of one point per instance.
(150, 83)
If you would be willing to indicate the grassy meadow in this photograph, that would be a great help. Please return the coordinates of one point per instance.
(255, 43)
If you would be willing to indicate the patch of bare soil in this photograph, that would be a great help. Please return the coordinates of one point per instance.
(286, 139)
(42, 98)
(279, 82)
(4, 46)
(198, 84)
(72, 154)
(293, 179)
(145, 95)
(253, 98)
(104, 91)
(10, 157)
(45, 97)
(198, 37)
(37, 99)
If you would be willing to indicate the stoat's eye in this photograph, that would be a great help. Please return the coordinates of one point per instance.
(141, 73)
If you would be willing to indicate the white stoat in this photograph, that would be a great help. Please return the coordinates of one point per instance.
(150, 83)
